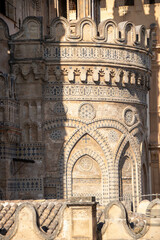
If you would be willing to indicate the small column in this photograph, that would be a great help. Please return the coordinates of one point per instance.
(84, 8)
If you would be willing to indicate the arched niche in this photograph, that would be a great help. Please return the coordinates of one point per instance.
(26, 133)
(2, 87)
(86, 178)
(1, 114)
(72, 9)
(87, 32)
(144, 179)
(33, 111)
(110, 33)
(26, 110)
(34, 133)
(87, 168)
(130, 34)
(125, 178)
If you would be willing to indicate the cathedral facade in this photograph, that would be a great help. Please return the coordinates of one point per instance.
(73, 105)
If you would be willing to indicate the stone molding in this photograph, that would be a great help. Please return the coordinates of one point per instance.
(118, 50)
(91, 130)
(53, 91)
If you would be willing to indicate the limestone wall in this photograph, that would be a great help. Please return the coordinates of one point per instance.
(82, 109)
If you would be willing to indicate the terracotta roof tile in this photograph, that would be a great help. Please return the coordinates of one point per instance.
(48, 214)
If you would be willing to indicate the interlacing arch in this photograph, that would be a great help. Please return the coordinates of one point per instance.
(95, 124)
(127, 150)
(98, 159)
(91, 130)
(64, 157)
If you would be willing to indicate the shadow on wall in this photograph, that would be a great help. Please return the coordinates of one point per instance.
(33, 167)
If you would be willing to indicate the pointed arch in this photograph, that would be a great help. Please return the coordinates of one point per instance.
(65, 154)
(26, 110)
(103, 168)
(33, 112)
(127, 149)
(2, 113)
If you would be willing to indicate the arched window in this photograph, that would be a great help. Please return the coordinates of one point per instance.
(33, 110)
(26, 133)
(63, 8)
(34, 133)
(130, 34)
(72, 8)
(125, 179)
(2, 87)
(144, 179)
(72, 4)
(1, 114)
(25, 110)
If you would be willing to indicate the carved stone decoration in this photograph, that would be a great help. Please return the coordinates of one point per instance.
(113, 136)
(86, 171)
(129, 116)
(36, 5)
(55, 135)
(60, 108)
(87, 111)
(72, 86)
(85, 164)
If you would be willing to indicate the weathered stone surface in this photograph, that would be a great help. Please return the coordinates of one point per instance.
(80, 110)
(143, 206)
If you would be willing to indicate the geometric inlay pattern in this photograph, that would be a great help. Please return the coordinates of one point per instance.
(86, 164)
(25, 184)
(55, 135)
(86, 111)
(60, 108)
(113, 136)
(129, 116)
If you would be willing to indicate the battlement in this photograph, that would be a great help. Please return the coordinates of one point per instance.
(86, 30)
(104, 52)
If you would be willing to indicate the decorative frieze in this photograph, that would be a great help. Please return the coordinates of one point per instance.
(129, 116)
(95, 93)
(25, 184)
(97, 54)
(86, 111)
(30, 151)
(60, 109)
(56, 135)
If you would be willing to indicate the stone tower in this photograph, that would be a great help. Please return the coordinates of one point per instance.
(78, 96)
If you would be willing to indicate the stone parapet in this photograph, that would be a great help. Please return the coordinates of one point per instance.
(75, 219)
